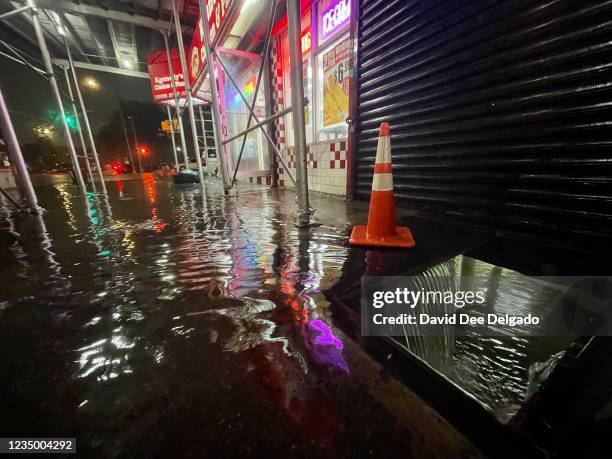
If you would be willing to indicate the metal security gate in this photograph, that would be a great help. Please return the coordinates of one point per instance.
(501, 112)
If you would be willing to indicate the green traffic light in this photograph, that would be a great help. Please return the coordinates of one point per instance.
(71, 121)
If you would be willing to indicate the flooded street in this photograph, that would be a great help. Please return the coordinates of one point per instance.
(163, 323)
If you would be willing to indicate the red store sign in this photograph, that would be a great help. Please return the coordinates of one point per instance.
(159, 74)
(217, 13)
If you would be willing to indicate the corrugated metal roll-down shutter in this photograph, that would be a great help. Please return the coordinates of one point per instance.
(500, 112)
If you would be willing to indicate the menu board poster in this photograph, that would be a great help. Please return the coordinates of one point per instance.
(337, 64)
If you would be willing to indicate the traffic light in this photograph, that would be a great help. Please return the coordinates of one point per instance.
(143, 151)
(70, 120)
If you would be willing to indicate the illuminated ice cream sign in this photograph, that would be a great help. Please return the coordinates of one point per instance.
(334, 16)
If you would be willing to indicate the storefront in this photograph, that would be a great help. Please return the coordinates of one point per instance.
(231, 24)
(327, 49)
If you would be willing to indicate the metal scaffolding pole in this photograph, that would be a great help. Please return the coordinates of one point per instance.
(172, 137)
(259, 123)
(262, 65)
(215, 97)
(14, 150)
(56, 94)
(176, 102)
(194, 131)
(14, 12)
(297, 103)
(92, 143)
(80, 130)
(140, 169)
(203, 132)
(127, 140)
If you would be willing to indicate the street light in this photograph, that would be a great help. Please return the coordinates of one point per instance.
(91, 83)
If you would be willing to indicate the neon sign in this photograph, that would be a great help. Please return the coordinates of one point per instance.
(334, 16)
(306, 41)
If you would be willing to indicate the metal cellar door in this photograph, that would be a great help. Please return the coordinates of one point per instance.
(500, 112)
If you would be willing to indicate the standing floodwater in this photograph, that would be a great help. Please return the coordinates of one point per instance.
(158, 322)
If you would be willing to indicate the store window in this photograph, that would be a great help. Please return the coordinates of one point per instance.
(306, 43)
(244, 71)
(327, 73)
(334, 65)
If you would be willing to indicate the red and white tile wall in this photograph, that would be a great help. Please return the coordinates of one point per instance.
(326, 161)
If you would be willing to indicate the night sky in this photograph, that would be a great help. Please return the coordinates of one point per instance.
(30, 103)
(30, 95)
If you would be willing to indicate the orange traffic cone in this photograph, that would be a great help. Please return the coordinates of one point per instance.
(381, 230)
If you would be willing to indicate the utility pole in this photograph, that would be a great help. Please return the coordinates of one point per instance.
(127, 140)
(140, 169)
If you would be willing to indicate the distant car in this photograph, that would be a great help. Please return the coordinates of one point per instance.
(122, 168)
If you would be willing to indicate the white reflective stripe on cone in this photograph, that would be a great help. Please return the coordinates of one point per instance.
(383, 150)
(382, 182)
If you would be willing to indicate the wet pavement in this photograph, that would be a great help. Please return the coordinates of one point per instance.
(161, 322)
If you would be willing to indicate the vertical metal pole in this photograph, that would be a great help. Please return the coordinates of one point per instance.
(94, 151)
(203, 132)
(176, 101)
(262, 64)
(297, 103)
(80, 129)
(56, 94)
(194, 132)
(172, 137)
(127, 140)
(179, 117)
(215, 98)
(23, 176)
(140, 169)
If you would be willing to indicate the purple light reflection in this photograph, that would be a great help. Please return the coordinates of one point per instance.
(327, 349)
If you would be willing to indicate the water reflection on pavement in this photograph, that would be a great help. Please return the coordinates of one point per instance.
(160, 323)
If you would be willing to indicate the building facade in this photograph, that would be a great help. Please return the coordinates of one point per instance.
(327, 50)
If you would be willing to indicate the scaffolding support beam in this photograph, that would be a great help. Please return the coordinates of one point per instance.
(192, 122)
(92, 143)
(176, 101)
(204, 139)
(176, 163)
(297, 102)
(103, 68)
(259, 124)
(262, 64)
(56, 94)
(14, 12)
(210, 63)
(80, 131)
(14, 150)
